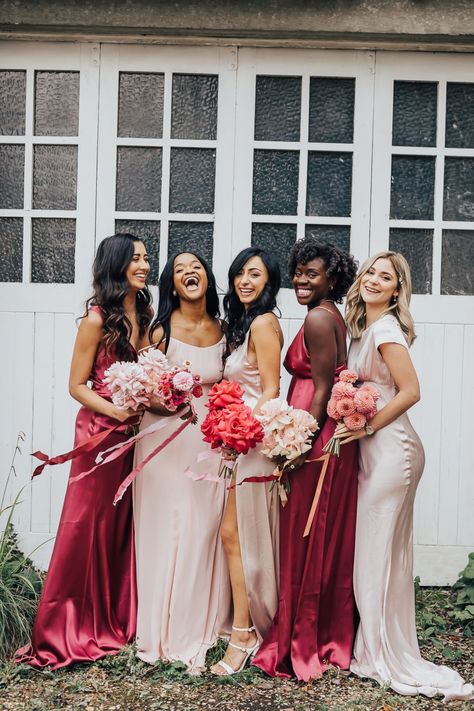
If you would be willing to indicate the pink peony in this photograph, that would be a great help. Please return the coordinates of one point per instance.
(356, 421)
(345, 406)
(183, 380)
(348, 376)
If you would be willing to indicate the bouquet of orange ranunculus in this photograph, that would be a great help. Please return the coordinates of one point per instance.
(288, 433)
(230, 424)
(354, 406)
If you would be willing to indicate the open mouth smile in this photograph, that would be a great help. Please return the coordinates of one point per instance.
(191, 283)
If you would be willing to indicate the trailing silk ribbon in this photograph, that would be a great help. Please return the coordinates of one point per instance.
(86, 446)
(325, 460)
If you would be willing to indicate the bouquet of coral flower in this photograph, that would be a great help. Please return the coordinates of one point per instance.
(354, 406)
(230, 424)
(288, 433)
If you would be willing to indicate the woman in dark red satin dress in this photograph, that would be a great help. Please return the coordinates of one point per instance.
(88, 605)
(314, 624)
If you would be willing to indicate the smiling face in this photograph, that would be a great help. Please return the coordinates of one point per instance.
(310, 282)
(139, 268)
(379, 284)
(189, 277)
(251, 280)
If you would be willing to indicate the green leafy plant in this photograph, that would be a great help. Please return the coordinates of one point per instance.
(464, 598)
(20, 582)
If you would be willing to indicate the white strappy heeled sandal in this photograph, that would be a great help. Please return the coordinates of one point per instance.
(249, 652)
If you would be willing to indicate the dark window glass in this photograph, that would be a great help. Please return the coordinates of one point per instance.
(275, 182)
(417, 248)
(12, 103)
(140, 113)
(148, 231)
(338, 235)
(56, 103)
(412, 193)
(278, 240)
(277, 108)
(458, 189)
(457, 262)
(414, 113)
(460, 116)
(12, 166)
(138, 179)
(192, 181)
(194, 109)
(52, 251)
(331, 110)
(329, 186)
(193, 236)
(54, 177)
(11, 248)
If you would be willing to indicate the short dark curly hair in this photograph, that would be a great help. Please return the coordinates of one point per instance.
(341, 266)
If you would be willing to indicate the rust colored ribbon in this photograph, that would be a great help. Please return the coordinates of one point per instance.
(86, 446)
(317, 494)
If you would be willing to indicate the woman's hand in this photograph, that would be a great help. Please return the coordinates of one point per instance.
(157, 408)
(345, 435)
(123, 415)
(229, 454)
(297, 463)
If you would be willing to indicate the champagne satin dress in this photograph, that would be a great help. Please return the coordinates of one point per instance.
(390, 466)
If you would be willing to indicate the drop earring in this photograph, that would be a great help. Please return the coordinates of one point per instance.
(174, 292)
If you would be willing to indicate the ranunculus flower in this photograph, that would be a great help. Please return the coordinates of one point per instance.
(197, 391)
(356, 421)
(225, 393)
(345, 406)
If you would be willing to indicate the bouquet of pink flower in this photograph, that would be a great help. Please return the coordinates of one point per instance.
(129, 385)
(288, 433)
(354, 406)
(230, 423)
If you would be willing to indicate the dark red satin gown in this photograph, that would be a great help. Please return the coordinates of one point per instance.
(88, 604)
(314, 623)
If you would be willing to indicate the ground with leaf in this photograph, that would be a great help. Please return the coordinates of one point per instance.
(123, 683)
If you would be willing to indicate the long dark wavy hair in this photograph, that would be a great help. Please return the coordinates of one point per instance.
(238, 319)
(169, 302)
(110, 286)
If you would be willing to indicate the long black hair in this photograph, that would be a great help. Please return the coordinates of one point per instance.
(169, 302)
(237, 317)
(110, 286)
(341, 267)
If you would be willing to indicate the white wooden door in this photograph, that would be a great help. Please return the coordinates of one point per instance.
(48, 139)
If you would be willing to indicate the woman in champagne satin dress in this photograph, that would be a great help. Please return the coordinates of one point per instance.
(391, 462)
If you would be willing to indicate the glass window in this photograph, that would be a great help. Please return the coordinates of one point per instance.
(277, 108)
(54, 177)
(140, 112)
(460, 115)
(338, 235)
(412, 193)
(414, 113)
(331, 110)
(275, 182)
(457, 266)
(56, 103)
(192, 180)
(12, 103)
(138, 179)
(197, 237)
(12, 176)
(329, 187)
(11, 249)
(277, 239)
(458, 189)
(53, 250)
(416, 245)
(194, 107)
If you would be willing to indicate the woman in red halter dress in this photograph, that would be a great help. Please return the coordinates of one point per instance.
(314, 624)
(88, 604)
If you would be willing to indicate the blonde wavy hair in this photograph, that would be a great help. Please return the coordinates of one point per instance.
(400, 306)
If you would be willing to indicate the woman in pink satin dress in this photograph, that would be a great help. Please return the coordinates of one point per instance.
(88, 604)
(391, 461)
(314, 624)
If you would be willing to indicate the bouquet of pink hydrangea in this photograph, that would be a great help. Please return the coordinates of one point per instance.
(129, 385)
(288, 433)
(354, 406)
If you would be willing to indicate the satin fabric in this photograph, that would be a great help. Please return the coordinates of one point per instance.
(182, 578)
(257, 507)
(315, 619)
(88, 604)
(390, 466)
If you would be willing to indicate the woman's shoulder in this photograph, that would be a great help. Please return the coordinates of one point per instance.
(266, 323)
(387, 329)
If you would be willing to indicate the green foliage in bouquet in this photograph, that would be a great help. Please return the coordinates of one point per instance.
(464, 598)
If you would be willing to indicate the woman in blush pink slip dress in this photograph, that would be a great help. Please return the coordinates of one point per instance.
(391, 461)
(88, 604)
(314, 624)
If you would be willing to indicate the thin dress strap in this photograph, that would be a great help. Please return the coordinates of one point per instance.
(338, 317)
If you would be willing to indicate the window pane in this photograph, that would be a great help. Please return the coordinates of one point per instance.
(12, 103)
(412, 193)
(417, 248)
(329, 187)
(138, 179)
(457, 262)
(52, 251)
(275, 182)
(11, 248)
(460, 116)
(140, 112)
(277, 108)
(414, 113)
(338, 235)
(195, 236)
(12, 166)
(458, 189)
(149, 232)
(57, 103)
(278, 240)
(54, 177)
(192, 180)
(331, 110)
(194, 110)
